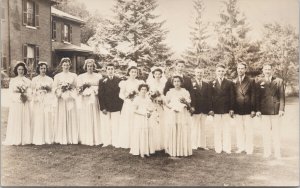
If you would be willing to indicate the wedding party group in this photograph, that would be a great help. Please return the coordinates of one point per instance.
(160, 113)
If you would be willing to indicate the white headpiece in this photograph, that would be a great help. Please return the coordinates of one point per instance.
(131, 64)
(42, 62)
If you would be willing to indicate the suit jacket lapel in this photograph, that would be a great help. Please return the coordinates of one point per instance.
(244, 84)
(273, 85)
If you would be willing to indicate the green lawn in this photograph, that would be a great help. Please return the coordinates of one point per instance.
(74, 165)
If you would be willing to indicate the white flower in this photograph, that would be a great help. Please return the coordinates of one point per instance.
(105, 80)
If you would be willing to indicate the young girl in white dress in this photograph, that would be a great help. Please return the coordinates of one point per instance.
(128, 90)
(18, 126)
(89, 109)
(42, 111)
(178, 122)
(64, 86)
(142, 132)
(157, 81)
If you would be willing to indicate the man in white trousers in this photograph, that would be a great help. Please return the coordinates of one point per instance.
(202, 95)
(244, 109)
(270, 108)
(110, 106)
(222, 109)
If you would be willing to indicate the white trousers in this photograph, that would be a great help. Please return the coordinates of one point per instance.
(271, 134)
(244, 133)
(110, 128)
(222, 133)
(199, 131)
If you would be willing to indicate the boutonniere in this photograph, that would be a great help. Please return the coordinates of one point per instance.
(105, 80)
(262, 85)
(194, 85)
(214, 83)
(235, 81)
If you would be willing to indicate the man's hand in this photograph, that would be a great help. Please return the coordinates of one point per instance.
(258, 114)
(211, 113)
(104, 111)
(281, 113)
(252, 115)
(231, 113)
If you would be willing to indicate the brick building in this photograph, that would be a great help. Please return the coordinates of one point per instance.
(66, 39)
(32, 31)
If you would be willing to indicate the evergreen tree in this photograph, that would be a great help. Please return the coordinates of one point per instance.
(133, 35)
(197, 53)
(233, 44)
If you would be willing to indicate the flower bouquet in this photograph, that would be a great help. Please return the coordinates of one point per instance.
(131, 95)
(64, 90)
(155, 97)
(22, 90)
(85, 89)
(187, 105)
(46, 88)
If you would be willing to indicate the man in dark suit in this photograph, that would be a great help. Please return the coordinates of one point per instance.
(222, 109)
(202, 94)
(110, 106)
(187, 83)
(244, 109)
(270, 107)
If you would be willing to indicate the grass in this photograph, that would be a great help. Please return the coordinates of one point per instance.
(74, 165)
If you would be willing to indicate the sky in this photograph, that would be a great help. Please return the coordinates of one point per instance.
(178, 16)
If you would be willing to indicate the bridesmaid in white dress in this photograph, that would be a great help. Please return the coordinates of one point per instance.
(64, 86)
(142, 133)
(157, 81)
(18, 126)
(178, 123)
(42, 112)
(89, 109)
(128, 89)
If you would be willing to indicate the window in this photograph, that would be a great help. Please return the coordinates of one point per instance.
(31, 55)
(53, 29)
(66, 33)
(30, 13)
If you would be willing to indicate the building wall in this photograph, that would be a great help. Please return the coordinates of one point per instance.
(21, 34)
(75, 31)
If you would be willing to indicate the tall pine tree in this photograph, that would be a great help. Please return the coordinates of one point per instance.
(233, 44)
(133, 34)
(197, 53)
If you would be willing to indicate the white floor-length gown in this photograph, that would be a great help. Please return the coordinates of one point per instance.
(66, 122)
(43, 110)
(89, 110)
(19, 118)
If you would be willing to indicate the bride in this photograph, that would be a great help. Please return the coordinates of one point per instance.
(157, 81)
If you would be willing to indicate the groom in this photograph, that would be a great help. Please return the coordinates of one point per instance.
(110, 106)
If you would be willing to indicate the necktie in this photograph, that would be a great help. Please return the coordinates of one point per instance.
(241, 79)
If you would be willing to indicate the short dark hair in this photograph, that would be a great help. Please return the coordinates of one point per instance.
(221, 65)
(179, 61)
(242, 63)
(110, 65)
(179, 77)
(143, 85)
(130, 68)
(20, 63)
(39, 66)
(267, 64)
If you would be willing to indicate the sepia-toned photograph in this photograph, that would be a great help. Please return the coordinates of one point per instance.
(149, 93)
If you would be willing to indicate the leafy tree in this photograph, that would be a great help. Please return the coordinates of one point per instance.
(280, 47)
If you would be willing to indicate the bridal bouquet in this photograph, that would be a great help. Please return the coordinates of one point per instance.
(131, 95)
(85, 89)
(155, 96)
(22, 90)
